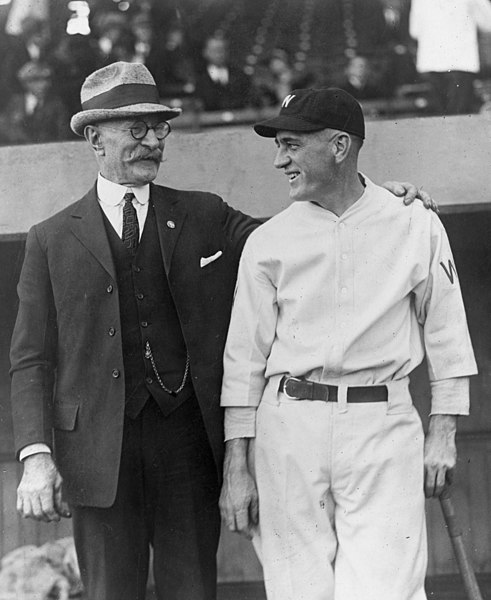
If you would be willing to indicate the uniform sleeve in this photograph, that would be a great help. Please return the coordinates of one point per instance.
(240, 422)
(33, 349)
(440, 312)
(251, 333)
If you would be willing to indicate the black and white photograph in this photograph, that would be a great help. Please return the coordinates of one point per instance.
(245, 299)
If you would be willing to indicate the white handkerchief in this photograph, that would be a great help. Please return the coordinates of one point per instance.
(209, 259)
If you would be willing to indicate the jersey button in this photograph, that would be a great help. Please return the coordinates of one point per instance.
(136, 268)
(144, 324)
(139, 296)
(111, 331)
(115, 373)
(109, 289)
(149, 380)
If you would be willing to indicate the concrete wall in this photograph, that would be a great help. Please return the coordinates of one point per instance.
(451, 157)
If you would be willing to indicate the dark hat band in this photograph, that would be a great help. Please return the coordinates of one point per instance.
(123, 95)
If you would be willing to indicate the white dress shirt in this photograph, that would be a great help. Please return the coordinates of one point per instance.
(354, 300)
(446, 31)
(110, 196)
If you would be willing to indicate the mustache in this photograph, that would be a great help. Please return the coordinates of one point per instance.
(156, 155)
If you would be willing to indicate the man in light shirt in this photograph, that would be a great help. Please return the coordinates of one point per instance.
(338, 299)
(124, 304)
(448, 48)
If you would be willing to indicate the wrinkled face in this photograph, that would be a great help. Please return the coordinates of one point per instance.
(308, 161)
(125, 160)
(216, 52)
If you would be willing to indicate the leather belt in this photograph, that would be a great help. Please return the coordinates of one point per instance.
(301, 389)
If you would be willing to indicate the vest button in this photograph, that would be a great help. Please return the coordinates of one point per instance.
(144, 324)
(136, 268)
(115, 373)
(139, 296)
(149, 380)
(111, 331)
(109, 289)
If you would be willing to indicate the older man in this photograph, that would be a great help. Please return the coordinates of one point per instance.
(338, 299)
(125, 299)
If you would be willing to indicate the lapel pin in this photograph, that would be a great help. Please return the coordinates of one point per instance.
(171, 225)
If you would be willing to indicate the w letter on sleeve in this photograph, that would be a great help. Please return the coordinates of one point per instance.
(450, 272)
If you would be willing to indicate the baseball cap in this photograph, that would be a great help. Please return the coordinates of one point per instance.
(305, 110)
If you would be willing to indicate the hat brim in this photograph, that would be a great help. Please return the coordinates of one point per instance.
(89, 117)
(270, 127)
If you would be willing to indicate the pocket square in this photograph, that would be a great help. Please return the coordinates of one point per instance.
(209, 259)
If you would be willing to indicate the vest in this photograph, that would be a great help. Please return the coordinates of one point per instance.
(148, 316)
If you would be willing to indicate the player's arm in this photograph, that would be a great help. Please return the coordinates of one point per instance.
(250, 337)
(440, 311)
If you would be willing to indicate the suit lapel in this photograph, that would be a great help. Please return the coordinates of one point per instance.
(87, 225)
(170, 215)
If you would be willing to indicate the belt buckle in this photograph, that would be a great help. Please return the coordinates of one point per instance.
(286, 382)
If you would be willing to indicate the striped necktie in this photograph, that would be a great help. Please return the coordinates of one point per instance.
(131, 232)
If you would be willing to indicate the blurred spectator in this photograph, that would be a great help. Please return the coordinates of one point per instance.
(220, 85)
(176, 75)
(448, 51)
(169, 62)
(122, 48)
(110, 27)
(274, 78)
(364, 80)
(37, 114)
(73, 59)
(31, 45)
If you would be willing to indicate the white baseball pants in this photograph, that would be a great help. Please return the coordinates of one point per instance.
(341, 498)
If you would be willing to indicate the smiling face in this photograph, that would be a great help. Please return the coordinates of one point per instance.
(121, 158)
(308, 161)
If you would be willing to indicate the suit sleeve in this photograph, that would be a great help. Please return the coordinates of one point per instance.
(237, 227)
(33, 349)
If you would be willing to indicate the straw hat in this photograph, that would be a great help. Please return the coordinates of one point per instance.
(119, 91)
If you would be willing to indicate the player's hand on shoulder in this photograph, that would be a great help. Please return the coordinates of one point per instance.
(409, 192)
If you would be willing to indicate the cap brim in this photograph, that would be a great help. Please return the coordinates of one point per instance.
(270, 127)
(88, 117)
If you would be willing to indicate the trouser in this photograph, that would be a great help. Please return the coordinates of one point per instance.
(341, 502)
(167, 498)
(453, 92)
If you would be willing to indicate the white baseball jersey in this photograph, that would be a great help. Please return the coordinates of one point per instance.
(353, 300)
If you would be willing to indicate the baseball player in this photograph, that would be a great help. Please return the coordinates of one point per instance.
(338, 299)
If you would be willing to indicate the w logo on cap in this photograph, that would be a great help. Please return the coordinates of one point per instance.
(287, 100)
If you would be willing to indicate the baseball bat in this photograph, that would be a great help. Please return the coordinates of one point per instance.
(455, 532)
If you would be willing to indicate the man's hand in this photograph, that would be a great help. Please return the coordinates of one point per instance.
(440, 454)
(239, 504)
(39, 492)
(410, 192)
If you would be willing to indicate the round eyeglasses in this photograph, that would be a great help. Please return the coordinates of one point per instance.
(140, 129)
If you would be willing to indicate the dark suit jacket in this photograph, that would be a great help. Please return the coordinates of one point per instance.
(67, 371)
